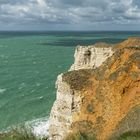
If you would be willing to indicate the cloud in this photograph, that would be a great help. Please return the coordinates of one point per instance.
(69, 12)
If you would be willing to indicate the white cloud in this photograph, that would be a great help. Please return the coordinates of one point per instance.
(42, 3)
(70, 11)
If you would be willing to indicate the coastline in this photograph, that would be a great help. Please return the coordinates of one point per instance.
(40, 125)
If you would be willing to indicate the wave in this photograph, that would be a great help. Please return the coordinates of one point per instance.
(39, 127)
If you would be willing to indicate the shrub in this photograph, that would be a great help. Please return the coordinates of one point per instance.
(130, 136)
(20, 133)
(80, 136)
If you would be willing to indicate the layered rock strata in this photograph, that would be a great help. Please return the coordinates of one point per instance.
(101, 99)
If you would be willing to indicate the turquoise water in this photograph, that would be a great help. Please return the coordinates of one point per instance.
(29, 65)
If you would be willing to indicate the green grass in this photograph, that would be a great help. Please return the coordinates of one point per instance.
(80, 136)
(20, 133)
(23, 133)
(84, 136)
(130, 136)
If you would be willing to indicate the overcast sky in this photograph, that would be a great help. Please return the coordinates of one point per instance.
(69, 14)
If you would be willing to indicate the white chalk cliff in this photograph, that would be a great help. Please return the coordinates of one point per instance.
(87, 57)
(67, 100)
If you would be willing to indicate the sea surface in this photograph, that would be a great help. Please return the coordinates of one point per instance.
(29, 65)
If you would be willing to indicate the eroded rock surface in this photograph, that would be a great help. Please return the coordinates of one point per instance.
(87, 57)
(104, 101)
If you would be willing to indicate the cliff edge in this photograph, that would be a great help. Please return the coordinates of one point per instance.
(100, 94)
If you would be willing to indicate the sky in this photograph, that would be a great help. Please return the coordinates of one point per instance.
(70, 15)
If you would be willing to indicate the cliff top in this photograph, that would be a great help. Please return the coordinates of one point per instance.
(103, 45)
(131, 41)
(125, 60)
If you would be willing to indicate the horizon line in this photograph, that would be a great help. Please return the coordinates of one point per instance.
(69, 30)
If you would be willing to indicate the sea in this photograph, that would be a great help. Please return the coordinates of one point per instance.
(30, 62)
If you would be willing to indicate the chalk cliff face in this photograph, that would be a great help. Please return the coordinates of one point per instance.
(103, 98)
(87, 57)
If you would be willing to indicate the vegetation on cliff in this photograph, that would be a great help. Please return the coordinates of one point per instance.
(84, 136)
(77, 79)
(20, 133)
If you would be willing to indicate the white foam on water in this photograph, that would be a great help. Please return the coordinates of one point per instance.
(22, 85)
(40, 127)
(2, 90)
(40, 97)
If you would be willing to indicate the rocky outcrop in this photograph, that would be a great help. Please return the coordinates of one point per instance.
(103, 100)
(87, 57)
